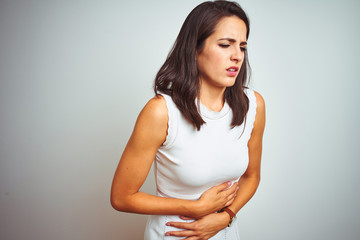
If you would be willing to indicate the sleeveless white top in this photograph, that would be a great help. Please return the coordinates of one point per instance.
(190, 161)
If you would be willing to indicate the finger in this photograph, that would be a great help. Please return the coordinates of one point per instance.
(233, 195)
(187, 218)
(228, 203)
(231, 189)
(222, 186)
(229, 198)
(182, 225)
(191, 238)
(185, 233)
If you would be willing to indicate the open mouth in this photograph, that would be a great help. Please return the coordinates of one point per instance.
(232, 71)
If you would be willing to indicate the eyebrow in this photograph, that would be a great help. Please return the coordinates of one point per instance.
(233, 40)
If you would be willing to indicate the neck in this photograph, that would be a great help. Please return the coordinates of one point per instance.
(212, 97)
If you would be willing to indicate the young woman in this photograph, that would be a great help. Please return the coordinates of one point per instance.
(203, 131)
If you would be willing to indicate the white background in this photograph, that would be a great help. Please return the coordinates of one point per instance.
(75, 74)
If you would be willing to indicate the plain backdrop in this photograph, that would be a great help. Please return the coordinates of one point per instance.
(75, 74)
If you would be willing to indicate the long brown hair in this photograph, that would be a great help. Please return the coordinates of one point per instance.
(179, 76)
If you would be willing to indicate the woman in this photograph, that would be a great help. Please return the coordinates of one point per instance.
(204, 129)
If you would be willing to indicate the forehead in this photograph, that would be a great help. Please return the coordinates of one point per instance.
(230, 27)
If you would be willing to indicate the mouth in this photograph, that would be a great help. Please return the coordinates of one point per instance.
(232, 71)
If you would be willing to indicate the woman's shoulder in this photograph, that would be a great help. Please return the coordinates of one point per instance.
(260, 112)
(153, 115)
(260, 102)
(256, 97)
(151, 124)
(155, 108)
(256, 113)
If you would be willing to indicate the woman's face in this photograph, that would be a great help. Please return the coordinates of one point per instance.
(220, 60)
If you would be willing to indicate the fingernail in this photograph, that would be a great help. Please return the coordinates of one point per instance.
(229, 183)
(167, 234)
(167, 224)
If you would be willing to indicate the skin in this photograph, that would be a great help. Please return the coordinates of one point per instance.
(223, 49)
(150, 132)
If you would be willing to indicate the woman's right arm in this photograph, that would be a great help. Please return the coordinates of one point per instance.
(148, 135)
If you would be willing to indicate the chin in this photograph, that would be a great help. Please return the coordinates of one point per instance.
(230, 83)
(224, 83)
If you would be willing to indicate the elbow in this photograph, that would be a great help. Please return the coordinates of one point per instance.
(255, 179)
(118, 203)
(115, 203)
(252, 177)
(258, 178)
(122, 200)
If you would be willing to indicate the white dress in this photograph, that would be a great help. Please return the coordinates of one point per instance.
(190, 161)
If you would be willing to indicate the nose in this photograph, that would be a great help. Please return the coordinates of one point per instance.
(236, 55)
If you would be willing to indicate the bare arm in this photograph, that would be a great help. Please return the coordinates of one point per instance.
(149, 133)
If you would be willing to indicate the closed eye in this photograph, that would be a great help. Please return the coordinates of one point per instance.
(243, 49)
(224, 45)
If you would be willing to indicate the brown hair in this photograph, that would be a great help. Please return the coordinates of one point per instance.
(179, 76)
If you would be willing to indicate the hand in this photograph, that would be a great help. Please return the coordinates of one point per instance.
(216, 198)
(201, 229)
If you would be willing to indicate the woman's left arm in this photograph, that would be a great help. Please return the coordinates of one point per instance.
(211, 224)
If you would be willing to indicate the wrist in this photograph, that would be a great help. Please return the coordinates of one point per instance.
(197, 209)
(230, 213)
(225, 218)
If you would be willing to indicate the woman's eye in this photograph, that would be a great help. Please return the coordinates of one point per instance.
(224, 45)
(243, 49)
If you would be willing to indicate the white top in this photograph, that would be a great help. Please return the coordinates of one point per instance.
(191, 161)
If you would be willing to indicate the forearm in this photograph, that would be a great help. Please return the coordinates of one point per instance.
(247, 189)
(144, 203)
(129, 199)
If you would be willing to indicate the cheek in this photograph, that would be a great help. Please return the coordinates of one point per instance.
(211, 61)
(211, 66)
(218, 57)
(215, 62)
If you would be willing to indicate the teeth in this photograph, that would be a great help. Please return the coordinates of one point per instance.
(232, 70)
